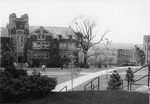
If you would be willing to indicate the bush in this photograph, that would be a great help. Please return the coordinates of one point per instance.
(16, 85)
(14, 72)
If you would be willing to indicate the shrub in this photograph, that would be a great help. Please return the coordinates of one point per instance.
(17, 84)
(14, 72)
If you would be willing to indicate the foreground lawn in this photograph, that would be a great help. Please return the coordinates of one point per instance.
(93, 97)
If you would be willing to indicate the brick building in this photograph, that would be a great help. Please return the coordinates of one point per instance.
(38, 44)
(125, 57)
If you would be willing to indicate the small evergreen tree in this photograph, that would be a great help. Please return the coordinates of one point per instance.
(129, 75)
(115, 81)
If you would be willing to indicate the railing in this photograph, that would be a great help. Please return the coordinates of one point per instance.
(92, 86)
(129, 85)
(63, 89)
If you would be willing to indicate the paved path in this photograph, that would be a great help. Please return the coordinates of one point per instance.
(84, 78)
(87, 77)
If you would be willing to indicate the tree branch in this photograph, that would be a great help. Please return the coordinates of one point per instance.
(99, 40)
(94, 54)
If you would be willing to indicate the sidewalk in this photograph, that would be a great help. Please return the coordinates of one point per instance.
(84, 78)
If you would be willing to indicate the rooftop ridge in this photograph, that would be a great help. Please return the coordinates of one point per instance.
(49, 26)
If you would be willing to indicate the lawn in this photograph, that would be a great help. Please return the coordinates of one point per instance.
(64, 75)
(93, 97)
(122, 72)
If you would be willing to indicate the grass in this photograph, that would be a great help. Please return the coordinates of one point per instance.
(103, 80)
(93, 97)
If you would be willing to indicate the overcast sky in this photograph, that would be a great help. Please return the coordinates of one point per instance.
(127, 20)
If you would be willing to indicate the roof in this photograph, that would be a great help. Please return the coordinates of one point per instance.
(3, 32)
(64, 31)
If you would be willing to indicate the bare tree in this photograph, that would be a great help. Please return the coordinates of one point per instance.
(84, 31)
(75, 71)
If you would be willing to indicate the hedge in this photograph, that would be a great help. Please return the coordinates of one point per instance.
(16, 84)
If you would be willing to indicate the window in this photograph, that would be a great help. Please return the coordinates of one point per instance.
(62, 45)
(71, 45)
(40, 45)
(47, 56)
(43, 47)
(20, 32)
(145, 39)
(36, 45)
(41, 37)
(44, 31)
(38, 31)
(22, 39)
(35, 55)
(47, 43)
(44, 55)
(43, 43)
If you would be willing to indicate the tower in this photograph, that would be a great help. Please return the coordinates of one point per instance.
(18, 29)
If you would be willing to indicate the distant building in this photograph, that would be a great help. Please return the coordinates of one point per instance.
(37, 44)
(146, 46)
(125, 57)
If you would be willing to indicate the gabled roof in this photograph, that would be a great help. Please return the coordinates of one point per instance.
(41, 30)
(64, 31)
(3, 32)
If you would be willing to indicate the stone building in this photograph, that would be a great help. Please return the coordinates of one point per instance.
(146, 46)
(18, 30)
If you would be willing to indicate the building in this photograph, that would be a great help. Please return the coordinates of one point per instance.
(5, 51)
(18, 30)
(125, 57)
(38, 44)
(146, 46)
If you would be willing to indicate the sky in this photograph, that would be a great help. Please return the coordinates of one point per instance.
(127, 20)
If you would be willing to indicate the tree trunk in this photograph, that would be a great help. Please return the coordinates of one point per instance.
(85, 60)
